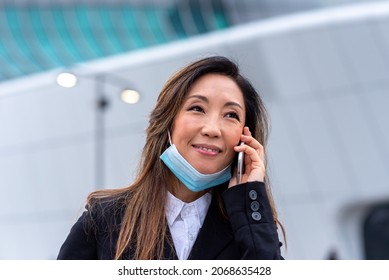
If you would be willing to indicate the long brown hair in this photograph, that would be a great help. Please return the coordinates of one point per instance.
(144, 224)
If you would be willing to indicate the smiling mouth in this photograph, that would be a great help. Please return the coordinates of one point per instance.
(206, 149)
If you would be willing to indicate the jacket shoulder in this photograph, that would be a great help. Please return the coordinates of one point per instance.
(105, 214)
(93, 235)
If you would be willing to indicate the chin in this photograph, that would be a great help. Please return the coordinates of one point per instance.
(208, 170)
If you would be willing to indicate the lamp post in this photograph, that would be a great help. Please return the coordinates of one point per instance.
(101, 106)
(100, 80)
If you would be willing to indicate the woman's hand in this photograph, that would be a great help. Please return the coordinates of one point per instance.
(254, 159)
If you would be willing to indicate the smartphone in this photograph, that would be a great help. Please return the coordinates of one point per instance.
(240, 166)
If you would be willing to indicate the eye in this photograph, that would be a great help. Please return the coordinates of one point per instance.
(233, 115)
(196, 108)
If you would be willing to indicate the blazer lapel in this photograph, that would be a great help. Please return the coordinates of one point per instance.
(213, 236)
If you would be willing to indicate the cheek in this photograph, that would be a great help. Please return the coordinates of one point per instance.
(181, 128)
(237, 133)
(233, 139)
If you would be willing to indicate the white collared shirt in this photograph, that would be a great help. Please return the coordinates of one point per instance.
(185, 221)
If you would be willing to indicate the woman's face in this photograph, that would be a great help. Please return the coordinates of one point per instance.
(210, 123)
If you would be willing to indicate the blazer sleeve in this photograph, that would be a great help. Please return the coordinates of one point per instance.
(252, 222)
(80, 244)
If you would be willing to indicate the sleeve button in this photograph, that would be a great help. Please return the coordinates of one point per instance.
(256, 216)
(254, 205)
(253, 195)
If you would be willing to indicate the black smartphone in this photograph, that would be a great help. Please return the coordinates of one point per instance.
(240, 166)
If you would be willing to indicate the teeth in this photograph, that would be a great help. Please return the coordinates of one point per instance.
(208, 150)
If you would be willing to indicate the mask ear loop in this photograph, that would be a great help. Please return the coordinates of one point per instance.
(170, 138)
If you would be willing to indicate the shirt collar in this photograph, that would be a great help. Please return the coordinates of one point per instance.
(174, 207)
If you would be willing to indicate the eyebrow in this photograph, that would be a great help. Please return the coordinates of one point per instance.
(227, 104)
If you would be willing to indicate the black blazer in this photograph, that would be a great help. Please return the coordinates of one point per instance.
(249, 233)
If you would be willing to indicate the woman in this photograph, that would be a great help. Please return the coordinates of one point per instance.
(185, 202)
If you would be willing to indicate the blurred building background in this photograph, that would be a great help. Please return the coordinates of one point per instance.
(321, 66)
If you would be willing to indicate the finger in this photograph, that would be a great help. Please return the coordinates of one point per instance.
(249, 151)
(248, 137)
(252, 142)
(254, 164)
(246, 131)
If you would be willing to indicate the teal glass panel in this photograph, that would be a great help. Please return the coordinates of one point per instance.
(30, 63)
(64, 40)
(176, 23)
(156, 25)
(85, 28)
(133, 31)
(110, 30)
(41, 40)
(197, 16)
(220, 20)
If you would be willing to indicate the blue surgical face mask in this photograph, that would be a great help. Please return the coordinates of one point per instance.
(188, 175)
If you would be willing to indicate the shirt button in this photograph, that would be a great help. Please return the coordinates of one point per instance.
(254, 205)
(253, 195)
(256, 216)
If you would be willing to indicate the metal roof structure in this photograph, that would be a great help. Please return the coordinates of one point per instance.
(36, 38)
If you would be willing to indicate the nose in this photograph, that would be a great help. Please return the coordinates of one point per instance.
(211, 127)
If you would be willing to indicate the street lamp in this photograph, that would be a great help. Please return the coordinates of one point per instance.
(66, 79)
(130, 96)
(100, 80)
